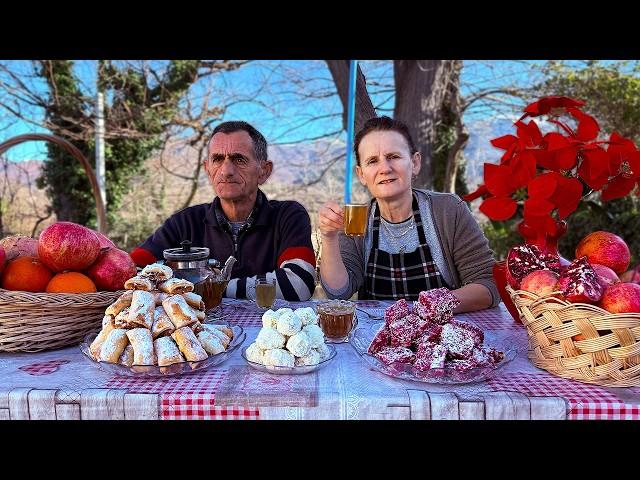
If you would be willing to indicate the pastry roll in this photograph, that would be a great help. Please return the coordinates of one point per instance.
(141, 310)
(121, 320)
(123, 301)
(126, 358)
(162, 324)
(96, 345)
(160, 296)
(139, 283)
(194, 300)
(157, 272)
(197, 327)
(181, 314)
(108, 320)
(223, 328)
(113, 346)
(175, 285)
(142, 343)
(211, 344)
(167, 351)
(189, 345)
(218, 333)
(200, 315)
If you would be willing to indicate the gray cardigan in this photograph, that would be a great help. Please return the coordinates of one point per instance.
(463, 247)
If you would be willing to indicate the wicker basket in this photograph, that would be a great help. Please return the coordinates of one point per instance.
(609, 355)
(32, 322)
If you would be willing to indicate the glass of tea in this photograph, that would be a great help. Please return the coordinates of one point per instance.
(211, 290)
(355, 219)
(337, 320)
(265, 292)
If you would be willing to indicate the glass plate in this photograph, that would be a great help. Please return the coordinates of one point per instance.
(174, 369)
(372, 313)
(219, 312)
(361, 339)
(291, 370)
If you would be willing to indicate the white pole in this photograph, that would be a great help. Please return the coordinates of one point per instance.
(100, 170)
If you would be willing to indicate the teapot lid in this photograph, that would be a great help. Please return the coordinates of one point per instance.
(186, 253)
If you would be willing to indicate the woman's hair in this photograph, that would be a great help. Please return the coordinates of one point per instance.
(380, 124)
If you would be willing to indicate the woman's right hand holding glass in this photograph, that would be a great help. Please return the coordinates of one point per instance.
(331, 219)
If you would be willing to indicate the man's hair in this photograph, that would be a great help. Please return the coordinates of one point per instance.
(259, 142)
(383, 123)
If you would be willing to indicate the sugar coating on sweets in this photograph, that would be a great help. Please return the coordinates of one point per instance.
(278, 357)
(299, 344)
(312, 358)
(478, 334)
(315, 334)
(255, 354)
(270, 319)
(289, 324)
(396, 311)
(436, 305)
(307, 315)
(390, 355)
(323, 350)
(428, 330)
(402, 332)
(269, 338)
(457, 340)
(381, 340)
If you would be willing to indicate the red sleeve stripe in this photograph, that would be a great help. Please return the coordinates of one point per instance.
(142, 257)
(303, 253)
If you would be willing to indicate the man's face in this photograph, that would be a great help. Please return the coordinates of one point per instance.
(232, 167)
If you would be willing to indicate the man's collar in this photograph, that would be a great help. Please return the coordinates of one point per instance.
(260, 214)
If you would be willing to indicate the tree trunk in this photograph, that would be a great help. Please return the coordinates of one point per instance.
(462, 134)
(421, 89)
(364, 107)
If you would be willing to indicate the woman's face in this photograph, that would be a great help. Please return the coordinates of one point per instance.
(386, 165)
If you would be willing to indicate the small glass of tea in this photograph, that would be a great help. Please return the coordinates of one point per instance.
(265, 292)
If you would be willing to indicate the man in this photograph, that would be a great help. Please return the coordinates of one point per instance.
(269, 238)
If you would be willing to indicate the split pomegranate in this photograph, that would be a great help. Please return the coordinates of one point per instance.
(579, 282)
(524, 259)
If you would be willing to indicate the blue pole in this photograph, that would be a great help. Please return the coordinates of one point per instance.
(353, 73)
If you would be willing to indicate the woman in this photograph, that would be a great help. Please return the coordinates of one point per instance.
(415, 240)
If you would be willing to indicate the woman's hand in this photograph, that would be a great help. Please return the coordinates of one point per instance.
(331, 219)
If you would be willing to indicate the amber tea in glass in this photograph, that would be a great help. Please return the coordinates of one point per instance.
(355, 219)
(265, 292)
(211, 291)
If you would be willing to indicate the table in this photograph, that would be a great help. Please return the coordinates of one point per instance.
(62, 384)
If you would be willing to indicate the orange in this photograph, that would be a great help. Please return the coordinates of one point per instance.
(71, 282)
(27, 274)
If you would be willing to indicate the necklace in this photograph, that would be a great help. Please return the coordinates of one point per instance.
(399, 235)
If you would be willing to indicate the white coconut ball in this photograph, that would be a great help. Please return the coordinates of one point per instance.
(270, 319)
(312, 358)
(279, 358)
(299, 344)
(315, 334)
(307, 315)
(270, 338)
(255, 354)
(289, 324)
(323, 350)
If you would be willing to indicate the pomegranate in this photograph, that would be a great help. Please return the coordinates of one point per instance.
(68, 246)
(112, 268)
(19, 246)
(606, 276)
(524, 259)
(3, 259)
(621, 298)
(540, 282)
(105, 242)
(632, 276)
(605, 248)
(579, 282)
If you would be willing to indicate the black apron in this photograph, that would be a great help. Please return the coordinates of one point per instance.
(401, 275)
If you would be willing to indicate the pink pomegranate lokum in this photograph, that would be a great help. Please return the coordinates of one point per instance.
(402, 332)
(478, 334)
(396, 311)
(381, 340)
(436, 305)
(459, 341)
(430, 355)
(390, 355)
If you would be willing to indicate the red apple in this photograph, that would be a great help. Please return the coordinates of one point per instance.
(606, 276)
(621, 298)
(68, 246)
(112, 268)
(605, 248)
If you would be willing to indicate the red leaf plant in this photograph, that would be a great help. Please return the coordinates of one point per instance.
(548, 174)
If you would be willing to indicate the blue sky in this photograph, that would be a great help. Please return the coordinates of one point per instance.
(268, 94)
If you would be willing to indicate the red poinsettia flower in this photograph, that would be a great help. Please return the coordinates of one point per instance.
(555, 168)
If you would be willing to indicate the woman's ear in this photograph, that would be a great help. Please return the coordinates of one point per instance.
(360, 175)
